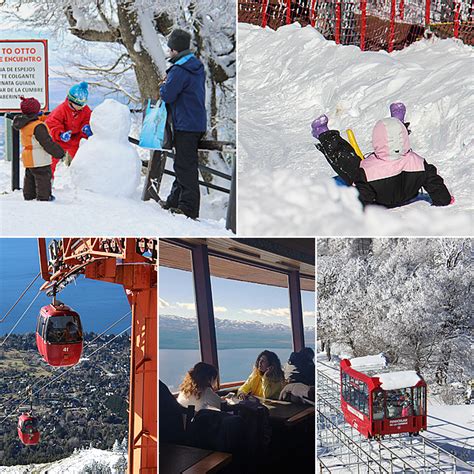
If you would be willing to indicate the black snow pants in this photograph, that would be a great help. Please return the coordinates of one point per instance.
(185, 193)
(37, 183)
(340, 155)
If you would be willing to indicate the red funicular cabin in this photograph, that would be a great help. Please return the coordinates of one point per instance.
(28, 431)
(383, 404)
(59, 335)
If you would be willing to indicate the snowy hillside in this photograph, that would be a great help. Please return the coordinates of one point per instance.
(178, 332)
(83, 461)
(290, 76)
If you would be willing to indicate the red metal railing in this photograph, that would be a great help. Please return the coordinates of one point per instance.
(369, 24)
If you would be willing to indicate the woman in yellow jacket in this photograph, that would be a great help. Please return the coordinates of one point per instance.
(267, 379)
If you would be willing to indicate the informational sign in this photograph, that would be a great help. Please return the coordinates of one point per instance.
(23, 72)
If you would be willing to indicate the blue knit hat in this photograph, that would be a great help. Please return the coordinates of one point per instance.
(78, 93)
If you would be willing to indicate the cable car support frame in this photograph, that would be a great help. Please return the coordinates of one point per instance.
(130, 262)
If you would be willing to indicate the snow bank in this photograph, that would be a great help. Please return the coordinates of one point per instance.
(289, 76)
(99, 193)
(369, 362)
(81, 212)
(397, 380)
(74, 464)
(107, 163)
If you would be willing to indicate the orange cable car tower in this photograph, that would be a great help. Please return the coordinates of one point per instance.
(130, 262)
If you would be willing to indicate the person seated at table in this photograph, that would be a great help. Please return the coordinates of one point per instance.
(300, 367)
(198, 388)
(267, 378)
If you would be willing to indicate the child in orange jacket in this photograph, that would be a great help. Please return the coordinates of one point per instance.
(37, 150)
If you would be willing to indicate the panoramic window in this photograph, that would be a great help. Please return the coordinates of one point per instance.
(179, 337)
(250, 318)
(309, 319)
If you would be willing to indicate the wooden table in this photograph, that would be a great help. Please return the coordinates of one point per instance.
(288, 413)
(177, 459)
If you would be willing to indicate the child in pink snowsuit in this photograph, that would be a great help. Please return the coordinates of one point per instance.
(393, 174)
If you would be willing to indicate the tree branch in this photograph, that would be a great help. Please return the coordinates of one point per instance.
(111, 36)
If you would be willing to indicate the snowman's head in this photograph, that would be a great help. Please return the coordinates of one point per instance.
(111, 120)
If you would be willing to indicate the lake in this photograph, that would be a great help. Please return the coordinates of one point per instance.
(98, 303)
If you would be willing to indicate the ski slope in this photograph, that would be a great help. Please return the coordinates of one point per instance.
(82, 212)
(290, 76)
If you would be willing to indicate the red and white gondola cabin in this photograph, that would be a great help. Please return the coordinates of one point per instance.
(59, 335)
(28, 431)
(383, 404)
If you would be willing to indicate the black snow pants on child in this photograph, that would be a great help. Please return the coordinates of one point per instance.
(37, 183)
(340, 155)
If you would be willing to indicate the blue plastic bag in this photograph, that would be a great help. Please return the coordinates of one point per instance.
(154, 126)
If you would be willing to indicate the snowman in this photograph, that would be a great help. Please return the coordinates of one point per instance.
(107, 163)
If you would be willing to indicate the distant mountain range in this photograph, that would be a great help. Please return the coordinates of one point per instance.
(177, 332)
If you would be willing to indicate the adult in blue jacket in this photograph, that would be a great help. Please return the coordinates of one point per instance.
(184, 91)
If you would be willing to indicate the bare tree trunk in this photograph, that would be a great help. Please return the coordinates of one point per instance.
(328, 349)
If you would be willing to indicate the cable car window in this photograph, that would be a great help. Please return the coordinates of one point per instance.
(63, 330)
(29, 425)
(41, 326)
(356, 393)
(378, 405)
(422, 400)
(417, 403)
(399, 403)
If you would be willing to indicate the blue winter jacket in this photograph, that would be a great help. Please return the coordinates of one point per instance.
(185, 92)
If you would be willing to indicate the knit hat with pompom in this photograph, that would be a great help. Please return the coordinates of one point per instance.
(29, 105)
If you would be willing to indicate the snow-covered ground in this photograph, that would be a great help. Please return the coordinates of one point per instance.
(452, 428)
(290, 76)
(83, 461)
(98, 193)
(87, 213)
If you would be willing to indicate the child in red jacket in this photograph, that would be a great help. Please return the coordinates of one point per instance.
(69, 121)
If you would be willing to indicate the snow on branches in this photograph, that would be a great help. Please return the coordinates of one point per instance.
(132, 60)
(408, 298)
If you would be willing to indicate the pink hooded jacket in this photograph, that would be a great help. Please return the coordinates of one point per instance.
(393, 174)
(392, 153)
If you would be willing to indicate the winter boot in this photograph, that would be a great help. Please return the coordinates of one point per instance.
(398, 111)
(319, 125)
(178, 210)
(164, 204)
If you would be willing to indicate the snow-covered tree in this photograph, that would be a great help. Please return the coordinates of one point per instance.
(134, 32)
(116, 447)
(408, 298)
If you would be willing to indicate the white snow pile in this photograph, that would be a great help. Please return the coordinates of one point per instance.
(397, 380)
(369, 362)
(82, 461)
(107, 163)
(290, 76)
